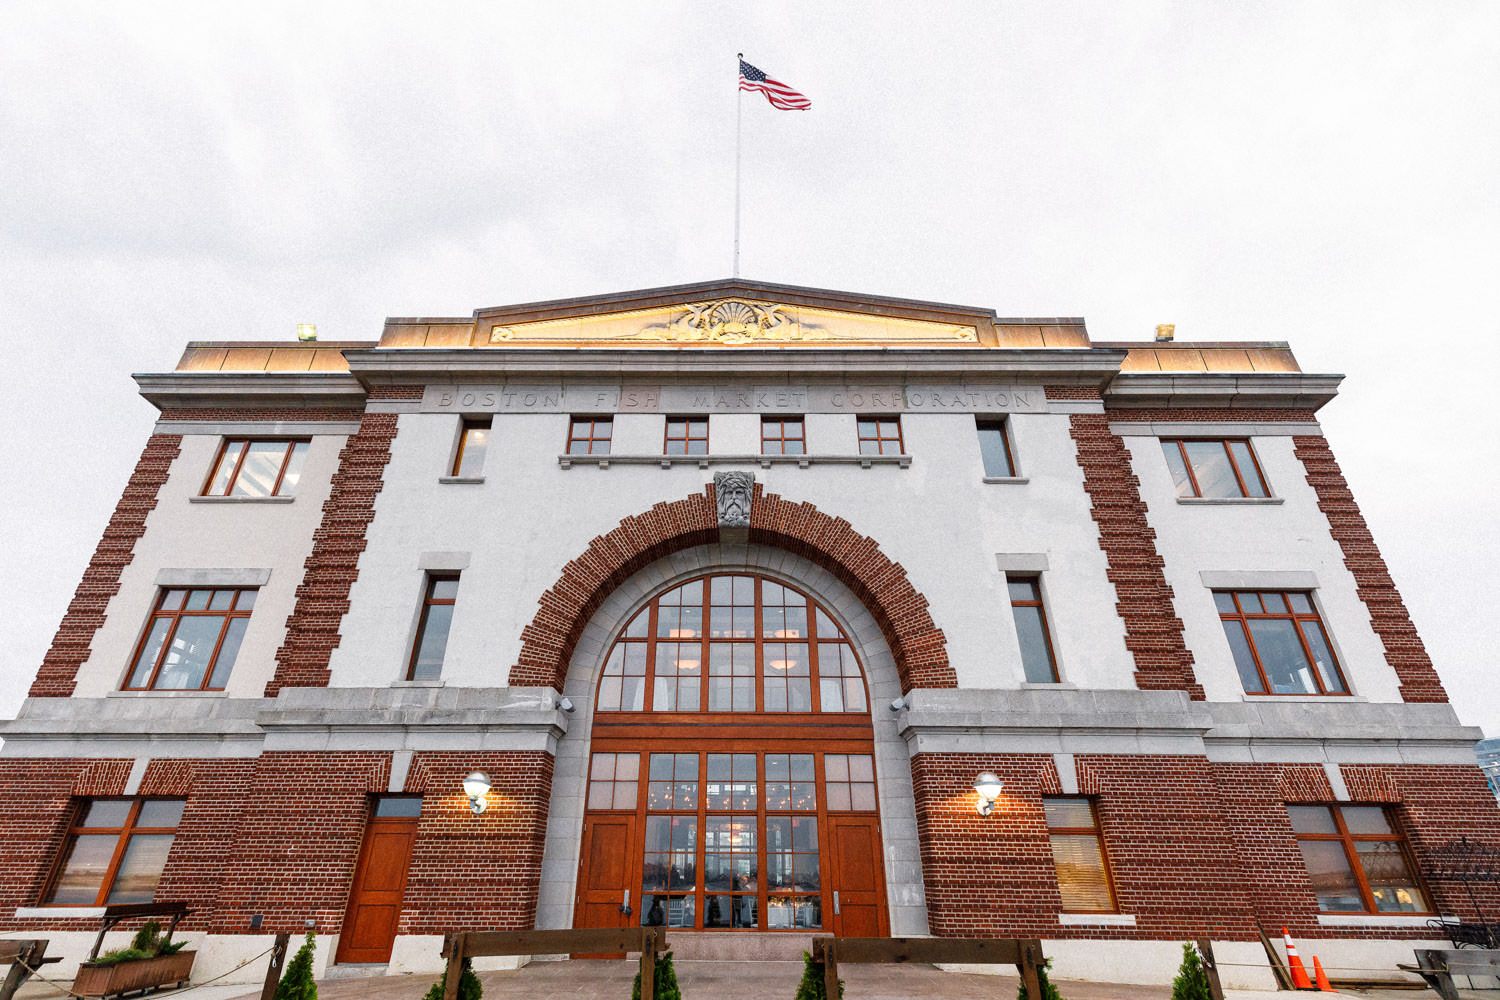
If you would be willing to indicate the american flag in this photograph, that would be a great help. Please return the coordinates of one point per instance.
(779, 94)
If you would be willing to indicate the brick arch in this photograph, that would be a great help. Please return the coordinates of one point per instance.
(917, 644)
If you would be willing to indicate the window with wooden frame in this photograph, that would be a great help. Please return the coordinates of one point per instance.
(880, 436)
(432, 628)
(473, 442)
(1216, 468)
(590, 435)
(1031, 629)
(782, 436)
(1278, 642)
(1078, 855)
(191, 639)
(250, 468)
(732, 643)
(994, 449)
(115, 852)
(1357, 859)
(686, 436)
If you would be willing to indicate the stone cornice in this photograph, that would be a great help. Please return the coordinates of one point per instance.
(1221, 389)
(308, 390)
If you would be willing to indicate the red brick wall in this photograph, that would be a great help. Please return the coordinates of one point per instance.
(1404, 650)
(477, 872)
(1211, 414)
(1153, 632)
(206, 842)
(1171, 861)
(331, 569)
(916, 642)
(37, 804)
(101, 581)
(298, 838)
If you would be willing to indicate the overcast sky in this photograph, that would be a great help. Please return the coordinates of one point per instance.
(1323, 173)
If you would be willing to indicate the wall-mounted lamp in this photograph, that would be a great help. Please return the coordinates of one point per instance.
(307, 331)
(476, 787)
(988, 786)
(897, 704)
(566, 704)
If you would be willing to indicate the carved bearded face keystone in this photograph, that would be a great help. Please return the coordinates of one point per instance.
(733, 490)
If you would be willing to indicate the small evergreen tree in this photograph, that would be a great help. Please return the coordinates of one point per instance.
(468, 985)
(812, 986)
(297, 981)
(666, 981)
(1192, 978)
(1049, 992)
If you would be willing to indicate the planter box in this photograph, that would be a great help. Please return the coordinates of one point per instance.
(127, 977)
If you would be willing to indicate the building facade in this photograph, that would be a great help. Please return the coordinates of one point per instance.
(732, 594)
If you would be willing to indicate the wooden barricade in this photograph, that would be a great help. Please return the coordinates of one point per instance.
(1024, 953)
(1210, 967)
(24, 956)
(649, 941)
(273, 971)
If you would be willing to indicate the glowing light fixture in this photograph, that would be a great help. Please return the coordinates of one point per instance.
(307, 331)
(988, 786)
(476, 787)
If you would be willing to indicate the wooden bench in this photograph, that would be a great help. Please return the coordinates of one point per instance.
(649, 941)
(24, 956)
(1024, 953)
(1439, 965)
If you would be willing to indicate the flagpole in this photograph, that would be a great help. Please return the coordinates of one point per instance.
(739, 114)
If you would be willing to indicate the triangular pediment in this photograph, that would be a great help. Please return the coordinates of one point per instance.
(728, 313)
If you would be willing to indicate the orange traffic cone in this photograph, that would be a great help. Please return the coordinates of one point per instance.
(1299, 971)
(1320, 978)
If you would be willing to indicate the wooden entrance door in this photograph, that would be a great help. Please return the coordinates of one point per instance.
(606, 875)
(369, 928)
(858, 877)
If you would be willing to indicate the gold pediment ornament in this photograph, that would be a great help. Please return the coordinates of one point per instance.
(733, 321)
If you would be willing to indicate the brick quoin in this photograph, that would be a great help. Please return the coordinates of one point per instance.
(918, 645)
(1404, 650)
(1153, 632)
(332, 567)
(101, 581)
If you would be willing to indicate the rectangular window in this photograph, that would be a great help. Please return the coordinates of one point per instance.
(473, 442)
(880, 436)
(1220, 468)
(1031, 630)
(994, 448)
(248, 468)
(590, 435)
(1356, 860)
(1278, 642)
(432, 630)
(782, 436)
(191, 640)
(1078, 854)
(116, 851)
(686, 436)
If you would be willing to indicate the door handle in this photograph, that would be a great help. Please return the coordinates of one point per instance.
(625, 906)
(835, 902)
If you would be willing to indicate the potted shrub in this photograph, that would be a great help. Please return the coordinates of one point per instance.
(149, 962)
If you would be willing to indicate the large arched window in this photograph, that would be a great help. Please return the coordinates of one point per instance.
(732, 644)
(731, 781)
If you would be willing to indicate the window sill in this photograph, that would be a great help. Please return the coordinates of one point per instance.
(1229, 501)
(1375, 919)
(1011, 480)
(167, 694)
(1342, 698)
(62, 912)
(1096, 919)
(461, 480)
(241, 499)
(704, 461)
(418, 684)
(1048, 686)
